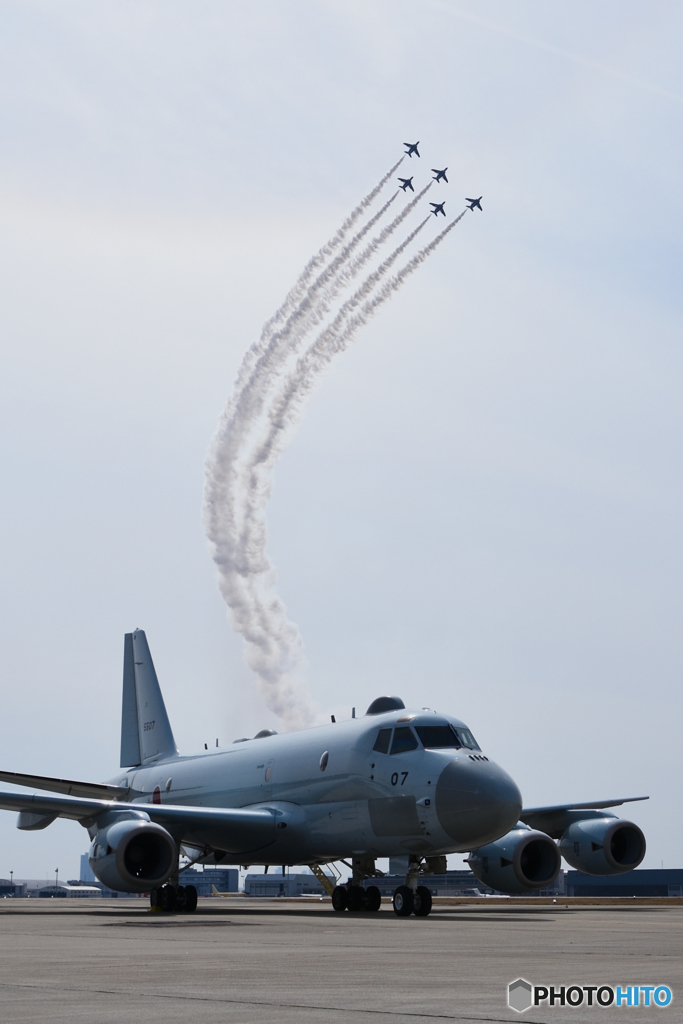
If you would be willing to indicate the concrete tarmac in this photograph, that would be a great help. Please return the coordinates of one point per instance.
(262, 961)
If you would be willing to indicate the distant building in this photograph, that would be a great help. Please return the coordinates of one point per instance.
(641, 882)
(224, 879)
(64, 890)
(276, 884)
(86, 874)
(452, 883)
(10, 888)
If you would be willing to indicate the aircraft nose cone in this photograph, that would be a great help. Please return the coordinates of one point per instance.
(476, 801)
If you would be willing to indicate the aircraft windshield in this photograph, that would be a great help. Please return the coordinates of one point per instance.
(437, 736)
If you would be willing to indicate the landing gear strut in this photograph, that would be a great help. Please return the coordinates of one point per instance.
(174, 897)
(412, 898)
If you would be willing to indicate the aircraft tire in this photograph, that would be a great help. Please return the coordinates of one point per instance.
(422, 902)
(154, 899)
(403, 901)
(180, 897)
(190, 899)
(355, 898)
(373, 898)
(339, 898)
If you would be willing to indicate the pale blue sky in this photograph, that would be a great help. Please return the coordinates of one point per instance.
(481, 511)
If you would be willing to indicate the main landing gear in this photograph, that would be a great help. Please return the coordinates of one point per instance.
(174, 897)
(355, 897)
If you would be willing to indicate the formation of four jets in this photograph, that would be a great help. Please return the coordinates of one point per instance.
(407, 183)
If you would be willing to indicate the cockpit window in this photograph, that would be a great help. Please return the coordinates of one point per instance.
(404, 739)
(468, 739)
(382, 741)
(437, 736)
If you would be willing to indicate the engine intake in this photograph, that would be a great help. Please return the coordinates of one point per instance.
(523, 859)
(603, 846)
(133, 855)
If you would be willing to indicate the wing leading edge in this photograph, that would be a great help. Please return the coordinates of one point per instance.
(554, 820)
(68, 787)
(227, 828)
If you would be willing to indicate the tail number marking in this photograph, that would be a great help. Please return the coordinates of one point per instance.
(148, 726)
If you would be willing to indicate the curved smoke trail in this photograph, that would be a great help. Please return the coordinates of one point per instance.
(274, 646)
(286, 407)
(297, 292)
(236, 486)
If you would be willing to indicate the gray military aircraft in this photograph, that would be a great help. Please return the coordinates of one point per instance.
(440, 175)
(475, 202)
(411, 147)
(395, 782)
(406, 183)
(438, 208)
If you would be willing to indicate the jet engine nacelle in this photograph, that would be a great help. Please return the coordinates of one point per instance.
(133, 854)
(603, 846)
(523, 859)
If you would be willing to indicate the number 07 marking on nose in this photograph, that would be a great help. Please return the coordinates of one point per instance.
(394, 778)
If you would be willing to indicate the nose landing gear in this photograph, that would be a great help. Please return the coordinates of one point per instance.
(412, 898)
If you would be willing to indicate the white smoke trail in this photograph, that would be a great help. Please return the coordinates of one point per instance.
(298, 290)
(311, 311)
(251, 389)
(256, 571)
(274, 646)
(286, 408)
(257, 373)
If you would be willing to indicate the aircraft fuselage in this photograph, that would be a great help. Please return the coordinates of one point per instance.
(333, 795)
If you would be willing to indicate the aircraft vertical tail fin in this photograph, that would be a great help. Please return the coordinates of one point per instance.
(145, 729)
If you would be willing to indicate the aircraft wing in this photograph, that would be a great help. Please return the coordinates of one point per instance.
(66, 786)
(555, 819)
(228, 828)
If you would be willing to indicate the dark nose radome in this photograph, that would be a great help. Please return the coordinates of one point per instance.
(476, 801)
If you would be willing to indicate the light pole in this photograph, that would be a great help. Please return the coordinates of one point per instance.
(56, 877)
(11, 881)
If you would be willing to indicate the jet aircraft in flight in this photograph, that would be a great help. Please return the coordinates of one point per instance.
(475, 202)
(406, 183)
(395, 782)
(438, 208)
(440, 175)
(411, 147)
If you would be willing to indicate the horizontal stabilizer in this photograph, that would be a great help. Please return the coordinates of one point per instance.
(66, 786)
